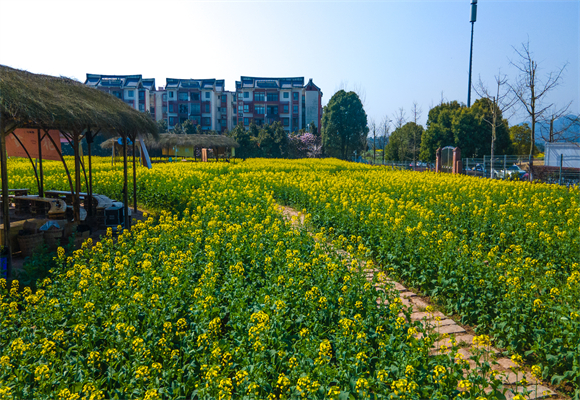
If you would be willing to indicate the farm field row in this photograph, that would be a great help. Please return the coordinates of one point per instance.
(488, 251)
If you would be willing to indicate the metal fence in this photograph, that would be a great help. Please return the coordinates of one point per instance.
(516, 167)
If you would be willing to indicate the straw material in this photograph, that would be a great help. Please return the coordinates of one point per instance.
(170, 140)
(42, 101)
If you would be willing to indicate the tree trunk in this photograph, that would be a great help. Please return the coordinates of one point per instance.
(134, 181)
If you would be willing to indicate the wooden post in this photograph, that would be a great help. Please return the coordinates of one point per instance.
(5, 205)
(134, 179)
(90, 137)
(41, 176)
(76, 197)
(125, 194)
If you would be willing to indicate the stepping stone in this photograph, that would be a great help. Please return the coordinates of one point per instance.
(450, 329)
(422, 314)
(538, 392)
(506, 363)
(435, 324)
(419, 303)
(511, 378)
(467, 339)
(400, 287)
(407, 294)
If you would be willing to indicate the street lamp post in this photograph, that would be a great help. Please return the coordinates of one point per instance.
(473, 18)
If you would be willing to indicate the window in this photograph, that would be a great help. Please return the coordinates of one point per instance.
(164, 109)
(224, 98)
(272, 96)
(130, 94)
(285, 108)
(152, 111)
(117, 94)
(259, 96)
(259, 110)
(246, 108)
(234, 121)
(286, 95)
(207, 95)
(206, 121)
(171, 121)
(233, 97)
(246, 95)
(272, 110)
(182, 120)
(195, 109)
(164, 97)
(234, 110)
(241, 108)
(171, 95)
(259, 122)
(194, 96)
(183, 108)
(285, 121)
(171, 108)
(295, 96)
(295, 109)
(206, 107)
(246, 121)
(141, 107)
(223, 109)
(142, 95)
(295, 123)
(182, 96)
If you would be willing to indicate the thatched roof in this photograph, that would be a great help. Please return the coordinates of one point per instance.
(34, 100)
(169, 140)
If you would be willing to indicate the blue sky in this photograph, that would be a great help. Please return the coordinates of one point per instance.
(397, 52)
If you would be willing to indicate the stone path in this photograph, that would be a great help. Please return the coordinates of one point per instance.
(448, 330)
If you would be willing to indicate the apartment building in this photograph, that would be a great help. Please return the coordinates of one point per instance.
(132, 89)
(203, 101)
(288, 100)
(206, 102)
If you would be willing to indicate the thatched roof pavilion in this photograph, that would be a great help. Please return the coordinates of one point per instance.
(169, 140)
(46, 102)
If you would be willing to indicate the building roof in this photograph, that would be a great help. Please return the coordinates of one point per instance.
(175, 83)
(120, 81)
(269, 83)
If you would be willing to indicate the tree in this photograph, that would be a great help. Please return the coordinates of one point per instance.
(242, 136)
(416, 111)
(162, 126)
(188, 128)
(439, 132)
(344, 125)
(531, 90)
(497, 105)
(400, 147)
(312, 129)
(520, 136)
(373, 129)
(273, 140)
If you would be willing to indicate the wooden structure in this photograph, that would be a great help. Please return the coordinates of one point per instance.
(44, 102)
(185, 145)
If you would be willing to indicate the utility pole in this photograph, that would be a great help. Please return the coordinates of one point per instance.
(473, 18)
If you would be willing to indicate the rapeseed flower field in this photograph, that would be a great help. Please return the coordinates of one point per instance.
(218, 296)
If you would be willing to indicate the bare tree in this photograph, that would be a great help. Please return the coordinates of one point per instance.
(530, 90)
(373, 129)
(551, 116)
(400, 118)
(416, 112)
(386, 127)
(499, 103)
